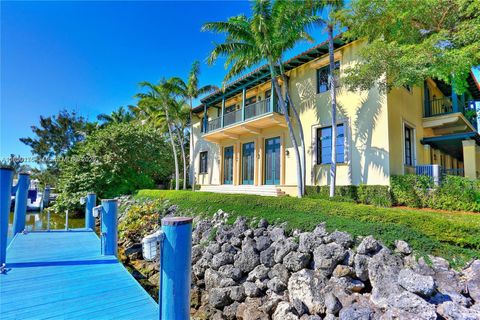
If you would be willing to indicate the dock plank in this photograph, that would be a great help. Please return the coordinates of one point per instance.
(62, 275)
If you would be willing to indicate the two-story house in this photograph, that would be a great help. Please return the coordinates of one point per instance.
(240, 141)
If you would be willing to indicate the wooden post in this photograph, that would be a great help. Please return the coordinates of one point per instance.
(244, 97)
(223, 112)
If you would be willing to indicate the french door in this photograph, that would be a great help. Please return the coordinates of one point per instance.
(272, 161)
(248, 162)
(228, 165)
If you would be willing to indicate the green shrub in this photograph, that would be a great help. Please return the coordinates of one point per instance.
(410, 190)
(456, 193)
(376, 195)
(342, 193)
(453, 193)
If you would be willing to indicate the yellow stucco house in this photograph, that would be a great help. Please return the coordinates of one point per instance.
(240, 140)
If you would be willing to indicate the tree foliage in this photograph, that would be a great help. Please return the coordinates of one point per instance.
(56, 135)
(116, 160)
(412, 40)
(121, 115)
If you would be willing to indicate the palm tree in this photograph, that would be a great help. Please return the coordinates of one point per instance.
(331, 6)
(121, 115)
(155, 104)
(272, 29)
(181, 119)
(191, 91)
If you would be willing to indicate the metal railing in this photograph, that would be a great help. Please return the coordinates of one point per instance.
(232, 117)
(258, 108)
(437, 172)
(251, 111)
(439, 106)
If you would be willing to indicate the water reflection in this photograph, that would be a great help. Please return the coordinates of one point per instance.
(38, 221)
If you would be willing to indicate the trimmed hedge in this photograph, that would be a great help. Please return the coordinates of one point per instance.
(366, 194)
(453, 193)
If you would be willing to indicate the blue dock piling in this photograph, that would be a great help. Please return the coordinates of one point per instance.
(91, 201)
(21, 202)
(6, 178)
(109, 227)
(45, 198)
(174, 291)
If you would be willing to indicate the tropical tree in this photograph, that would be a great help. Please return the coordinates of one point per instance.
(122, 115)
(180, 112)
(328, 18)
(191, 90)
(272, 29)
(155, 105)
(410, 41)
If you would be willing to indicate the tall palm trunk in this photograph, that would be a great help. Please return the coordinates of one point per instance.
(182, 149)
(192, 146)
(174, 149)
(333, 84)
(300, 128)
(278, 90)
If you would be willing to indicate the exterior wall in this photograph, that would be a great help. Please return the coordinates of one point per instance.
(367, 145)
(199, 145)
(405, 107)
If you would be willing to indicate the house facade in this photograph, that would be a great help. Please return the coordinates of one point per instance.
(240, 140)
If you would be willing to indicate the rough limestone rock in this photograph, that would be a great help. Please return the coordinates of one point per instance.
(279, 271)
(341, 238)
(472, 274)
(197, 252)
(230, 271)
(229, 312)
(416, 283)
(236, 293)
(383, 270)
(282, 248)
(361, 266)
(369, 246)
(277, 234)
(263, 242)
(332, 304)
(295, 261)
(276, 285)
(451, 311)
(402, 247)
(343, 271)
(221, 259)
(320, 230)
(248, 258)
(219, 297)
(260, 272)
(307, 286)
(212, 279)
(284, 311)
(251, 289)
(357, 312)
(308, 241)
(267, 257)
(327, 256)
(251, 310)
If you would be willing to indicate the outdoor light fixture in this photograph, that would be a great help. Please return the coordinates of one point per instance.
(150, 245)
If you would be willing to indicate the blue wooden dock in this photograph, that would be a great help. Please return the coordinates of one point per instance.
(62, 275)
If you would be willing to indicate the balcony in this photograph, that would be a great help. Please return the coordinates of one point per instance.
(450, 113)
(250, 119)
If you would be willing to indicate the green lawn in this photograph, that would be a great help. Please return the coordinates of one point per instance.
(455, 236)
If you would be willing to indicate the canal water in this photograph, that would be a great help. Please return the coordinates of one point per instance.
(38, 221)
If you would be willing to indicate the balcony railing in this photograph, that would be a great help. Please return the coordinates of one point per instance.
(249, 112)
(445, 105)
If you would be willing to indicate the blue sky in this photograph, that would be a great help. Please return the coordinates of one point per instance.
(90, 56)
